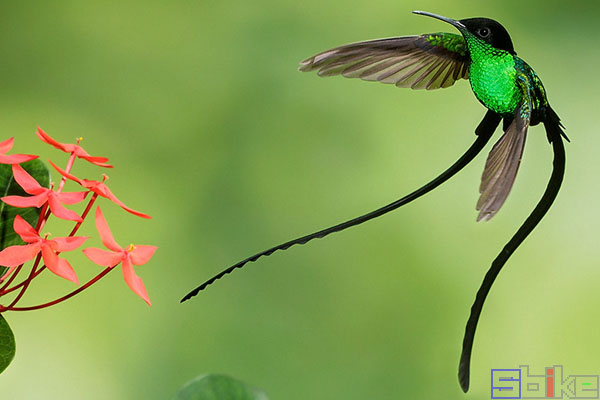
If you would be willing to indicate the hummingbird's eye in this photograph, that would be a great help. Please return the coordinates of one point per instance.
(483, 32)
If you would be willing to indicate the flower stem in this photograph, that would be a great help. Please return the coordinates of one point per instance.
(68, 169)
(27, 281)
(84, 214)
(44, 215)
(35, 274)
(66, 297)
(13, 275)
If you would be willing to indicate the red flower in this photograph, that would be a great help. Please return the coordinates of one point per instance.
(41, 195)
(100, 189)
(14, 256)
(132, 255)
(74, 149)
(14, 158)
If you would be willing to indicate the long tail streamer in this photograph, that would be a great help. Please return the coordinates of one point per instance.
(484, 131)
(555, 135)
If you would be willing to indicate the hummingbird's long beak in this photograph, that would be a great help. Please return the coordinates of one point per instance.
(453, 22)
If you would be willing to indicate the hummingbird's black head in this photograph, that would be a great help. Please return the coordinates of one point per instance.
(489, 31)
(485, 29)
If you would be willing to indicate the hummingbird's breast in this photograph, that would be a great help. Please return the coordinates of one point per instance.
(492, 75)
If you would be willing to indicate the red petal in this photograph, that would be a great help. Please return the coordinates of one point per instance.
(93, 159)
(142, 254)
(16, 158)
(71, 197)
(6, 145)
(133, 281)
(103, 165)
(70, 148)
(23, 202)
(59, 266)
(68, 243)
(102, 257)
(109, 195)
(99, 161)
(60, 211)
(65, 173)
(26, 181)
(80, 152)
(105, 234)
(26, 231)
(17, 255)
(135, 212)
(47, 139)
(101, 189)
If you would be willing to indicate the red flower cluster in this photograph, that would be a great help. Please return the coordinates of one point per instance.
(44, 250)
(14, 256)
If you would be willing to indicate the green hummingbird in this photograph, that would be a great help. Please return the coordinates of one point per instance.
(506, 85)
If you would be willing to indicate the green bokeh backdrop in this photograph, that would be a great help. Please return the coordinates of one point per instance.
(216, 135)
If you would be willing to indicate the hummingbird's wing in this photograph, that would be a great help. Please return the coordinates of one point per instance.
(430, 61)
(501, 167)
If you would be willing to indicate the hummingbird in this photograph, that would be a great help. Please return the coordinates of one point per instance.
(483, 53)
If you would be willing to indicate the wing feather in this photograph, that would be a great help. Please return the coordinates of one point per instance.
(429, 61)
(437, 80)
(501, 167)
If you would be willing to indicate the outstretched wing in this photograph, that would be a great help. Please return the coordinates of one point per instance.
(430, 61)
(503, 161)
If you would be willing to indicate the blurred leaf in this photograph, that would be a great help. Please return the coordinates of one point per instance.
(219, 387)
(8, 186)
(7, 344)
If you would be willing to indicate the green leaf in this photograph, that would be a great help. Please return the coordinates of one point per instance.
(9, 187)
(7, 344)
(219, 387)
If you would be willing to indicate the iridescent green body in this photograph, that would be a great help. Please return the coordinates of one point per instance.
(493, 77)
(502, 81)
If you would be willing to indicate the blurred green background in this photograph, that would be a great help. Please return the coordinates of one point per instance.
(215, 134)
